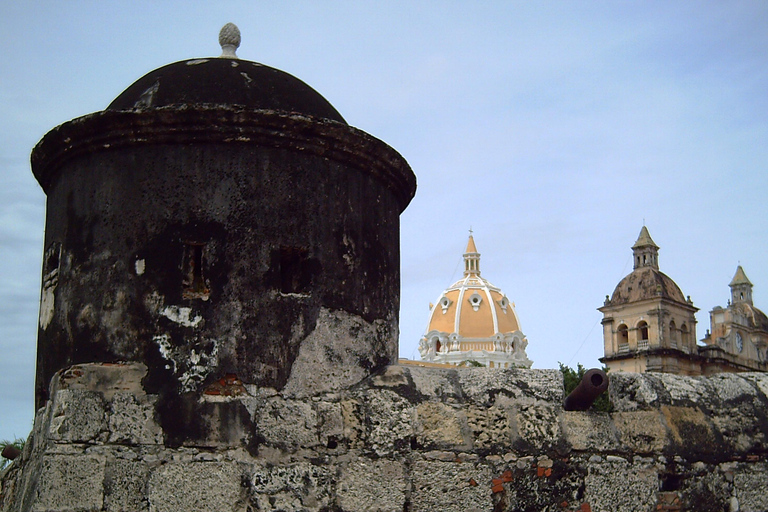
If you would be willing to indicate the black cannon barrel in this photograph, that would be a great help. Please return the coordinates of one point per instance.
(10, 452)
(592, 385)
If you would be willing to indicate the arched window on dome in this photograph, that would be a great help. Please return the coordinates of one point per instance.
(438, 345)
(623, 338)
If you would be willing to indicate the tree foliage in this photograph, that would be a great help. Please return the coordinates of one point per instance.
(572, 378)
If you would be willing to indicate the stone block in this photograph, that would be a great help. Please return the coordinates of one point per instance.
(132, 420)
(590, 431)
(742, 428)
(78, 416)
(538, 484)
(725, 389)
(690, 430)
(106, 378)
(9, 481)
(352, 420)
(387, 422)
(288, 424)
(393, 376)
(436, 383)
(481, 386)
(291, 488)
(125, 486)
(760, 380)
(749, 488)
(196, 487)
(612, 486)
(633, 391)
(336, 355)
(706, 491)
(450, 487)
(641, 431)
(737, 408)
(70, 483)
(490, 426)
(683, 390)
(372, 485)
(330, 424)
(439, 425)
(538, 425)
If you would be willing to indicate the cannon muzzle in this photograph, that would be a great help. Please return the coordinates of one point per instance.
(592, 385)
(10, 452)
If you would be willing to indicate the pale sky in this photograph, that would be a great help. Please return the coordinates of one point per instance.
(552, 129)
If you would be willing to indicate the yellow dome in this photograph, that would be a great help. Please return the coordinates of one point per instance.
(474, 319)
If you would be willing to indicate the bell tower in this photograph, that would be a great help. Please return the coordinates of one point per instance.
(646, 252)
(741, 288)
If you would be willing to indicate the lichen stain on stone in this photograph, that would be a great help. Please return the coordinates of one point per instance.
(140, 267)
(181, 316)
(147, 98)
(47, 301)
(163, 342)
(248, 79)
(191, 363)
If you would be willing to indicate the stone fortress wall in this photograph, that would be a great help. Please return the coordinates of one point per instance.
(408, 438)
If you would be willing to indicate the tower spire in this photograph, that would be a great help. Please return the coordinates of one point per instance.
(646, 252)
(741, 287)
(471, 257)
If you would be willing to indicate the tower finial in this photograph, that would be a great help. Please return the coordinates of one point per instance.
(229, 39)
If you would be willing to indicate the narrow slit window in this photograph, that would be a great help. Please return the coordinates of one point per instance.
(193, 264)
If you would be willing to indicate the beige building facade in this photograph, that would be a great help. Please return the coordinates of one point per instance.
(650, 326)
(474, 321)
(738, 335)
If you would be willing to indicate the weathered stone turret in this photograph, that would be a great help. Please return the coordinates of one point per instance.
(220, 221)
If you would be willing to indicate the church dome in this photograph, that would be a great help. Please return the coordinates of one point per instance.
(750, 315)
(646, 283)
(646, 280)
(226, 81)
(474, 320)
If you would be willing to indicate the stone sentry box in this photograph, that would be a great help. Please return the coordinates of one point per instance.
(221, 223)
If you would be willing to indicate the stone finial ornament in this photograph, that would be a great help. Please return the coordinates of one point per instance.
(229, 39)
